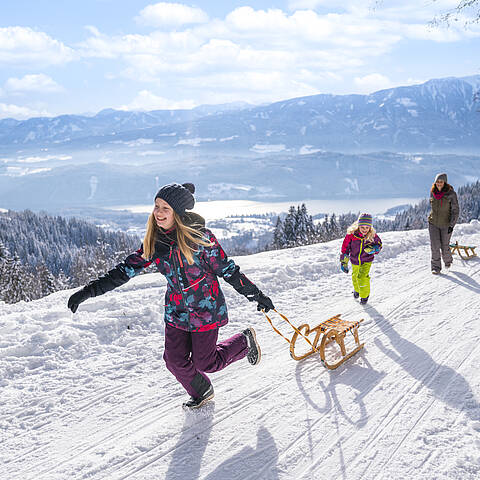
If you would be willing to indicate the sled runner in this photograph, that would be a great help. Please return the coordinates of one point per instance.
(332, 330)
(467, 250)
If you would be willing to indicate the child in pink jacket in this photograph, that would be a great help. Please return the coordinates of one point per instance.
(360, 246)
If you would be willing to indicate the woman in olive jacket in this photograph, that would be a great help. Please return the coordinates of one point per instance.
(443, 217)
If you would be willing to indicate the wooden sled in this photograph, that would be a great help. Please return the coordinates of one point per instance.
(333, 329)
(468, 252)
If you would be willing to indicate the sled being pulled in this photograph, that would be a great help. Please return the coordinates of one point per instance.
(332, 330)
(465, 252)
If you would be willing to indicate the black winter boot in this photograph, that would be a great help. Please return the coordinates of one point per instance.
(254, 353)
(196, 402)
(363, 301)
(356, 294)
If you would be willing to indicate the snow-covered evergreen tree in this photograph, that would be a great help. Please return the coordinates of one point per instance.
(18, 282)
(62, 282)
(45, 279)
(289, 224)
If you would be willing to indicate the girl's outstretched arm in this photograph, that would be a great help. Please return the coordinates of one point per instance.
(115, 277)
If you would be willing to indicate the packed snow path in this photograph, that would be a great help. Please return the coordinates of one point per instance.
(87, 396)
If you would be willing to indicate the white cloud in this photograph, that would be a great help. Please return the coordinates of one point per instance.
(313, 4)
(146, 100)
(19, 112)
(171, 14)
(373, 82)
(261, 55)
(32, 83)
(22, 45)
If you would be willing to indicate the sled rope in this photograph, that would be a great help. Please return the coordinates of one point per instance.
(293, 326)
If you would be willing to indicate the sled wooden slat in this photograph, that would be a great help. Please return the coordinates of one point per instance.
(332, 330)
(464, 251)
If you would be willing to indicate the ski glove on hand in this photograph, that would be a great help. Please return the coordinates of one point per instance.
(450, 230)
(77, 298)
(344, 262)
(372, 249)
(264, 302)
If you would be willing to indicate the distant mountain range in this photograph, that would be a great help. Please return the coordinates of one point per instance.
(437, 116)
(387, 144)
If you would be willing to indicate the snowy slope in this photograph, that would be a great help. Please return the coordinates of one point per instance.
(87, 396)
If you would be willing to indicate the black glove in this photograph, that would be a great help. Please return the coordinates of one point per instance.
(450, 230)
(263, 302)
(77, 298)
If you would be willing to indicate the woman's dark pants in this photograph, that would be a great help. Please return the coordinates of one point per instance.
(440, 245)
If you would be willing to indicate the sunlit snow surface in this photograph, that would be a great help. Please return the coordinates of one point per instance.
(87, 396)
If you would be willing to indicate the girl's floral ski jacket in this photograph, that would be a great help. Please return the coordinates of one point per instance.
(194, 300)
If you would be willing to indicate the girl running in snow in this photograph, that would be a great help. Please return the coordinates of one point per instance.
(360, 246)
(441, 220)
(191, 259)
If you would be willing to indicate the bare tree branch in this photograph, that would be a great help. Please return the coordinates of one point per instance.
(466, 10)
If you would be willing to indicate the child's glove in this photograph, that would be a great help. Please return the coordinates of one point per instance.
(77, 298)
(264, 302)
(372, 249)
(344, 262)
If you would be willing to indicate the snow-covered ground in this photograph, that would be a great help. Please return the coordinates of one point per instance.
(87, 396)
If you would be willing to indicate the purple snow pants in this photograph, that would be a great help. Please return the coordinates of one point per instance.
(188, 355)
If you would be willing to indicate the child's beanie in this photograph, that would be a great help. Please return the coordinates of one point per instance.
(365, 219)
(179, 197)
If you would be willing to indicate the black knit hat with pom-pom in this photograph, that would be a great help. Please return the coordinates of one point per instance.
(179, 197)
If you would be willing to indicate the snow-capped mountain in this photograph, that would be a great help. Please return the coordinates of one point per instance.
(87, 395)
(305, 148)
(437, 116)
(65, 128)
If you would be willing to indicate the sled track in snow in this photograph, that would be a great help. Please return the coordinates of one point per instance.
(399, 405)
(220, 416)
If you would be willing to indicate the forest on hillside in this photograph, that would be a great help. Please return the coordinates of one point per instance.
(40, 254)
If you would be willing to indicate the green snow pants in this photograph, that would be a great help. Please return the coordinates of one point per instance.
(361, 279)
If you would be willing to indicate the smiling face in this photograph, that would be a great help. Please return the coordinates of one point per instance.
(163, 214)
(364, 229)
(439, 184)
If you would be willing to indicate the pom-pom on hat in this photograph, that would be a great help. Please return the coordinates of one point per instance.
(179, 197)
(365, 219)
(441, 176)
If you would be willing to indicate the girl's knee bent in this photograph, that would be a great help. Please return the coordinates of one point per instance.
(175, 362)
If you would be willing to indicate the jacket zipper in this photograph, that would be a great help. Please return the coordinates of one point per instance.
(177, 267)
(360, 252)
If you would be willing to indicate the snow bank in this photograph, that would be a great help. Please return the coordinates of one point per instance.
(87, 396)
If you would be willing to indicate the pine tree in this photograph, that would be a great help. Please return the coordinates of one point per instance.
(45, 279)
(301, 227)
(289, 223)
(78, 271)
(4, 256)
(62, 282)
(278, 241)
(18, 282)
(334, 230)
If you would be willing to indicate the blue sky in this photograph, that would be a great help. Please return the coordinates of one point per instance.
(68, 56)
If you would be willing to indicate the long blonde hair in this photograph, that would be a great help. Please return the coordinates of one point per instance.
(188, 237)
(369, 236)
